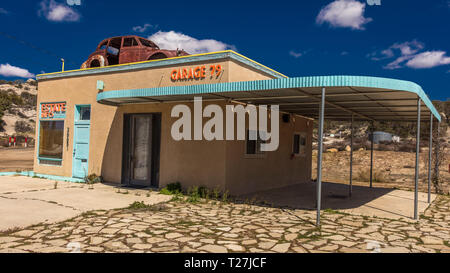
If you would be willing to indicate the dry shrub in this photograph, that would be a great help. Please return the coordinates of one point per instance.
(378, 176)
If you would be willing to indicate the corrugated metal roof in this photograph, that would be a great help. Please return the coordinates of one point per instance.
(370, 98)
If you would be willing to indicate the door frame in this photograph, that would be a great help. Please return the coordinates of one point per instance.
(76, 122)
(155, 148)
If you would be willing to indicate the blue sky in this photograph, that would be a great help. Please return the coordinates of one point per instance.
(401, 39)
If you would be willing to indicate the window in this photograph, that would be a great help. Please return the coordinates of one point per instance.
(127, 42)
(299, 144)
(84, 113)
(253, 147)
(146, 43)
(51, 139)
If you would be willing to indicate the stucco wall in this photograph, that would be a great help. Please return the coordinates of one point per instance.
(212, 164)
(249, 174)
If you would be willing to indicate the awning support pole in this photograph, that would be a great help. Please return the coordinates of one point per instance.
(371, 154)
(351, 157)
(430, 154)
(416, 178)
(319, 156)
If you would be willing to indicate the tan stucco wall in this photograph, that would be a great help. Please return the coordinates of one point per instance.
(249, 174)
(213, 164)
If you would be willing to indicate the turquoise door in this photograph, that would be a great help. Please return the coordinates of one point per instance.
(81, 141)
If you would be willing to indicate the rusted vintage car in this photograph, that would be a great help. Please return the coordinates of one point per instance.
(127, 49)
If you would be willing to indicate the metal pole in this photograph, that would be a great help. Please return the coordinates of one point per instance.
(351, 158)
(371, 154)
(319, 156)
(430, 154)
(416, 178)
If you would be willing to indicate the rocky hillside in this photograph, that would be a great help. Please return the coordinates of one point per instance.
(17, 108)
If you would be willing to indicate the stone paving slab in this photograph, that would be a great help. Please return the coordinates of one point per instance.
(217, 227)
(379, 202)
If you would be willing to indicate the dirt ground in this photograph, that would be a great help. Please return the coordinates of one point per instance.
(14, 159)
(392, 169)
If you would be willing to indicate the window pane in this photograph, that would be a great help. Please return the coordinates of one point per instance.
(251, 145)
(127, 42)
(296, 148)
(145, 43)
(51, 138)
(85, 113)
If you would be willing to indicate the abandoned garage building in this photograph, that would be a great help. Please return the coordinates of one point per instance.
(115, 121)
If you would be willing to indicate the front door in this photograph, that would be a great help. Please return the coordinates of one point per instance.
(80, 161)
(141, 150)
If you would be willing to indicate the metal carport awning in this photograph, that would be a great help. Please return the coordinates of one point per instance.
(342, 98)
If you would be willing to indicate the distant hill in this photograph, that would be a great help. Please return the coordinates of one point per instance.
(402, 129)
(18, 107)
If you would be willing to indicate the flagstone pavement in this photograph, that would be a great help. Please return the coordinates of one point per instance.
(213, 226)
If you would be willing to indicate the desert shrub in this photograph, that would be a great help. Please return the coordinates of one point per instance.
(22, 127)
(378, 176)
(386, 147)
(21, 115)
(29, 99)
(138, 205)
(193, 195)
(172, 188)
(93, 178)
(408, 147)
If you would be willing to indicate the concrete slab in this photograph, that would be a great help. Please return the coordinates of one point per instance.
(26, 201)
(380, 202)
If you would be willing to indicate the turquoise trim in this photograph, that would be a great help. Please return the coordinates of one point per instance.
(49, 159)
(45, 176)
(164, 62)
(100, 85)
(76, 134)
(270, 85)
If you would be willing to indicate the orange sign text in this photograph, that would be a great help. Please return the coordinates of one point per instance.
(199, 72)
(48, 110)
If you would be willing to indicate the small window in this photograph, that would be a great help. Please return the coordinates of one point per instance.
(253, 147)
(146, 43)
(127, 42)
(299, 144)
(51, 140)
(85, 113)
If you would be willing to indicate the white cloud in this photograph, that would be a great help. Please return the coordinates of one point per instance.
(8, 70)
(3, 11)
(174, 40)
(57, 12)
(344, 13)
(295, 54)
(144, 28)
(408, 54)
(429, 59)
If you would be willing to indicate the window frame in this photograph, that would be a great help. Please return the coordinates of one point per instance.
(44, 158)
(301, 152)
(60, 117)
(258, 153)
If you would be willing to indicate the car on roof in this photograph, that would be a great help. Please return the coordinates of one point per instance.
(127, 49)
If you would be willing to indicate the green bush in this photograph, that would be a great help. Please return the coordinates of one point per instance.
(174, 187)
(138, 205)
